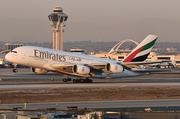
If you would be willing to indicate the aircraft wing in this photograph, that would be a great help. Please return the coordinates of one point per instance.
(66, 69)
(98, 68)
(150, 70)
(95, 69)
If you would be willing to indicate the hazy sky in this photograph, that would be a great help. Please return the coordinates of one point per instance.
(108, 20)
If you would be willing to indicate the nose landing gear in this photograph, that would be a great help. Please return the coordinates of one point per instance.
(15, 69)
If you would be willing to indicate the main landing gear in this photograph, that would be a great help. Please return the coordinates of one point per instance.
(78, 80)
(66, 79)
(86, 80)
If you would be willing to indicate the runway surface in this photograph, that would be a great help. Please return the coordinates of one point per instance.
(103, 104)
(26, 74)
(59, 85)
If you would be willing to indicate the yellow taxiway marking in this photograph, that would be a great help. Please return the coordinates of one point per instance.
(54, 87)
(122, 86)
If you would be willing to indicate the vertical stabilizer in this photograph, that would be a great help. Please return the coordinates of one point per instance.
(141, 52)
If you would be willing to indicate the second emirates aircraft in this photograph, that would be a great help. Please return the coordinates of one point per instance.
(83, 67)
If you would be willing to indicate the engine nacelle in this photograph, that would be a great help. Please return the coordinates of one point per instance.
(114, 68)
(39, 70)
(81, 69)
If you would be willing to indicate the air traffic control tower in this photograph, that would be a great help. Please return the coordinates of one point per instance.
(58, 18)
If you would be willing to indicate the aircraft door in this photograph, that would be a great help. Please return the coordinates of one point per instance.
(24, 55)
(25, 59)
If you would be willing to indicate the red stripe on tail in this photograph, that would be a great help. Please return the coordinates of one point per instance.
(131, 56)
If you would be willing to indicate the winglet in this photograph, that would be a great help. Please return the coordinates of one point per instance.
(141, 52)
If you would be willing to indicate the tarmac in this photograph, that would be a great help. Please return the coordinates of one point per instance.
(29, 80)
(46, 82)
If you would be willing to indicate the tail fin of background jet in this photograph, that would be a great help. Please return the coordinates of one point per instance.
(109, 57)
(141, 52)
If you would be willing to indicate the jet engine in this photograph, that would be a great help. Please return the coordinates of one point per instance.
(114, 68)
(39, 70)
(81, 69)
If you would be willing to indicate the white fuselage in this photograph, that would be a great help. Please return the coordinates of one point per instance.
(39, 57)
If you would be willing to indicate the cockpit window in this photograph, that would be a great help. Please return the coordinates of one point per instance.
(14, 51)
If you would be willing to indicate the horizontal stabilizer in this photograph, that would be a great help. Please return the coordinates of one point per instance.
(129, 65)
(141, 63)
(150, 70)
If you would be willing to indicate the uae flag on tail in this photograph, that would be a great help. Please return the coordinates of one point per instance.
(141, 52)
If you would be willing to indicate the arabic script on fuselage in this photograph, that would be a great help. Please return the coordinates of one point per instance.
(75, 59)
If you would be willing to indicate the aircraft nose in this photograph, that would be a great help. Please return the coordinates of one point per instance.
(7, 57)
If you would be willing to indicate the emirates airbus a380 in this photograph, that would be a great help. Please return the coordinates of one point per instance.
(83, 67)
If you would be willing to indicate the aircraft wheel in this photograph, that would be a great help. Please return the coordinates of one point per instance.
(68, 79)
(64, 80)
(82, 80)
(15, 70)
(87, 80)
(74, 81)
(90, 81)
(78, 80)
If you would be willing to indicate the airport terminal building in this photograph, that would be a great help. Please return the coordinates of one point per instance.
(10, 47)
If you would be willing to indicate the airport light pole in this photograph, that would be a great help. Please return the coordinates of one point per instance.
(58, 18)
